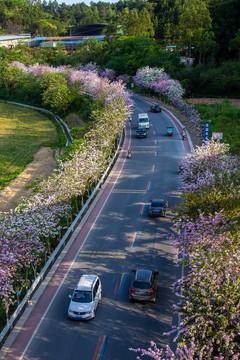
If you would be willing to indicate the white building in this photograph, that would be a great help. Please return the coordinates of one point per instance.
(12, 40)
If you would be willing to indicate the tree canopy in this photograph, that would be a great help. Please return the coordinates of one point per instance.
(209, 27)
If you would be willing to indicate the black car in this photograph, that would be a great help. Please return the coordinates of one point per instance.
(144, 285)
(158, 207)
(156, 108)
(141, 132)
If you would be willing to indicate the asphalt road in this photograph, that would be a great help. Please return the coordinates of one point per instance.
(122, 238)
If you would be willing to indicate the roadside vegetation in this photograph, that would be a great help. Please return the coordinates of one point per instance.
(23, 132)
(62, 195)
(223, 118)
(206, 230)
(32, 230)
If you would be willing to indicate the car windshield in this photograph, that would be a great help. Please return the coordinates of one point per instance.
(141, 285)
(143, 120)
(157, 204)
(82, 296)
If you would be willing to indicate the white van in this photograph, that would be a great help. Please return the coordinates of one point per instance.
(85, 298)
(143, 120)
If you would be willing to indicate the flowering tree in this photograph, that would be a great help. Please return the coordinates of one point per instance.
(109, 73)
(210, 180)
(27, 233)
(8, 269)
(146, 77)
(124, 78)
(156, 80)
(89, 67)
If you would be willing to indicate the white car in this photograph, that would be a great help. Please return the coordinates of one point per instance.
(85, 298)
(143, 121)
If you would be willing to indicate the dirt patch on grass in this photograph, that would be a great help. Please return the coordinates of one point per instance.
(210, 101)
(41, 167)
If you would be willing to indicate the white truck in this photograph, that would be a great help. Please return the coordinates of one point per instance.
(143, 121)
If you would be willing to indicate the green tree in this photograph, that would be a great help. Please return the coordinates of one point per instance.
(234, 44)
(8, 76)
(225, 16)
(194, 22)
(56, 92)
(136, 23)
(205, 44)
(89, 51)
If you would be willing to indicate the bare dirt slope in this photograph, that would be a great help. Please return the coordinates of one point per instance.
(42, 166)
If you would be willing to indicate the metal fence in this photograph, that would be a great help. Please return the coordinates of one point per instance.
(56, 117)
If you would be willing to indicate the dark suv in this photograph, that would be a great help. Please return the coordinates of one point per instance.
(144, 285)
(156, 108)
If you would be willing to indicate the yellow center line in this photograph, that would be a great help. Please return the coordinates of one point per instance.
(144, 152)
(122, 191)
(104, 254)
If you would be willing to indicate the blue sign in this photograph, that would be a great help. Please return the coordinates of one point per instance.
(206, 130)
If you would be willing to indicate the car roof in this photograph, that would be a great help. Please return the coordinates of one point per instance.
(143, 275)
(86, 281)
(160, 201)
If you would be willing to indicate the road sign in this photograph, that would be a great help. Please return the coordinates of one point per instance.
(206, 130)
(216, 136)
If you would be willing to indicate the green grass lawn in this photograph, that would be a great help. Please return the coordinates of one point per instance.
(225, 118)
(23, 132)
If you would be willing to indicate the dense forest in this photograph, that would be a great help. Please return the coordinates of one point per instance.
(139, 33)
(210, 29)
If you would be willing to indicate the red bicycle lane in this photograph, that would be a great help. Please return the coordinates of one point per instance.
(23, 338)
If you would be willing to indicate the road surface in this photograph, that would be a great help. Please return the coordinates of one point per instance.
(118, 236)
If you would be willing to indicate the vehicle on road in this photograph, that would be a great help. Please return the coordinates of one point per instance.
(141, 132)
(144, 285)
(143, 121)
(158, 207)
(85, 298)
(169, 131)
(184, 134)
(129, 153)
(156, 108)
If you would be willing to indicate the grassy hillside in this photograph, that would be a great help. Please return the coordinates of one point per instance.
(23, 132)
